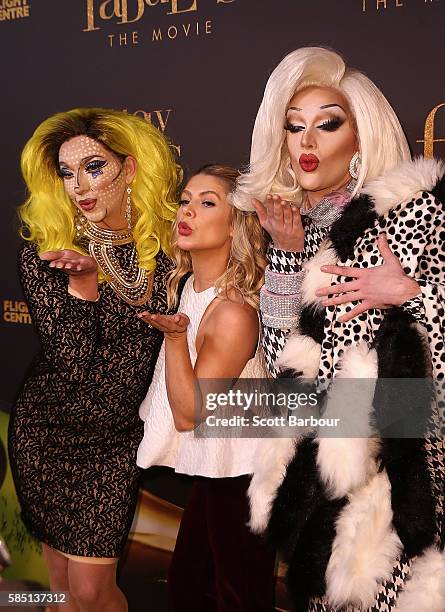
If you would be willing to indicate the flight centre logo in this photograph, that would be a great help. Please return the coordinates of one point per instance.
(13, 9)
(154, 21)
(16, 311)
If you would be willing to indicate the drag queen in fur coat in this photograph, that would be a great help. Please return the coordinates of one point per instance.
(354, 289)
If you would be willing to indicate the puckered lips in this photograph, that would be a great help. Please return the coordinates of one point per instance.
(184, 229)
(308, 162)
(87, 204)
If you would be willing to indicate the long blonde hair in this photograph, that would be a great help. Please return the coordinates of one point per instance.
(245, 270)
(48, 215)
(382, 143)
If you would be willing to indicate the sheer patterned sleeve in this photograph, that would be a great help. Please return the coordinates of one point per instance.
(67, 327)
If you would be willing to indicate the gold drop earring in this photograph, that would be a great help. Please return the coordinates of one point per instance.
(128, 209)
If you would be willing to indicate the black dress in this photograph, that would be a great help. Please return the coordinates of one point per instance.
(75, 429)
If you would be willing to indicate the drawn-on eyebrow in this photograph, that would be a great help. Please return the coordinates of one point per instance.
(295, 108)
(331, 105)
(82, 161)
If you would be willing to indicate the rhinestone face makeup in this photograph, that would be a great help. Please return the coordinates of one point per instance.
(94, 179)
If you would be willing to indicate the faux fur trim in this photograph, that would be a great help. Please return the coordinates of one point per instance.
(401, 417)
(347, 462)
(426, 588)
(314, 278)
(301, 354)
(272, 458)
(365, 547)
(403, 182)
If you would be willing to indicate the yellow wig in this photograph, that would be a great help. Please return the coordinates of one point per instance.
(48, 214)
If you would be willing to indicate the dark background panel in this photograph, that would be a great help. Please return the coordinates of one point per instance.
(202, 84)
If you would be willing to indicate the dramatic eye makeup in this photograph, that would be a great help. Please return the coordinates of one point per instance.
(292, 128)
(329, 125)
(95, 165)
(332, 124)
(92, 166)
(64, 172)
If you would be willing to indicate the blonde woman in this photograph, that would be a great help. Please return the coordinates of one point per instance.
(217, 563)
(354, 289)
(102, 189)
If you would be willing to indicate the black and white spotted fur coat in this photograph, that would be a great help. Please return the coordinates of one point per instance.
(360, 520)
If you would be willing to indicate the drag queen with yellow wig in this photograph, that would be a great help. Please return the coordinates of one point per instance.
(102, 186)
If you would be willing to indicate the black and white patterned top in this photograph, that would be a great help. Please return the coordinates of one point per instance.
(287, 263)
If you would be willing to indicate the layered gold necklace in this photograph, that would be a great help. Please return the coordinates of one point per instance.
(133, 284)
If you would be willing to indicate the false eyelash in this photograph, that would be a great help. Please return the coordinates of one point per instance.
(332, 124)
(293, 129)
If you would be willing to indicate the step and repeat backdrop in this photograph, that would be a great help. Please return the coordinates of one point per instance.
(195, 69)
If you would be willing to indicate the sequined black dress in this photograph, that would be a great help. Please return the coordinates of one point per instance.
(75, 429)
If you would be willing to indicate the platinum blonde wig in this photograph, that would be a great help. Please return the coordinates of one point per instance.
(382, 143)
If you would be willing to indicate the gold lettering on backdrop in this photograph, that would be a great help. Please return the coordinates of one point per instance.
(428, 134)
(161, 116)
(175, 10)
(369, 5)
(182, 31)
(116, 12)
(130, 11)
(158, 118)
(15, 311)
(90, 17)
(139, 13)
(123, 40)
(13, 9)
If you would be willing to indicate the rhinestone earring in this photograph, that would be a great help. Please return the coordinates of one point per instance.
(355, 165)
(80, 222)
(128, 209)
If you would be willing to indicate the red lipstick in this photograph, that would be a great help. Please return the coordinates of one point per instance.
(87, 204)
(308, 162)
(184, 229)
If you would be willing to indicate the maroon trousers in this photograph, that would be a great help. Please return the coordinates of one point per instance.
(218, 564)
